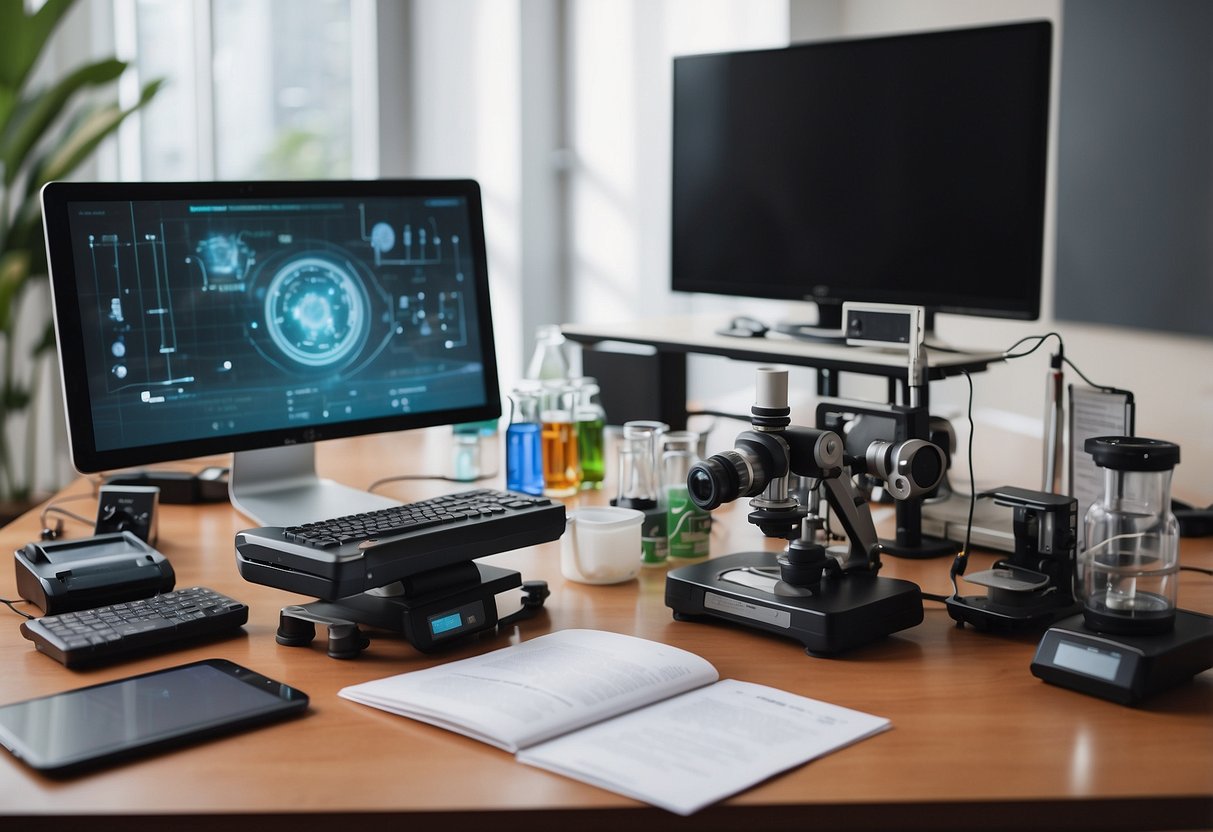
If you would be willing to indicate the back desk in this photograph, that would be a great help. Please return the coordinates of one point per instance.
(977, 741)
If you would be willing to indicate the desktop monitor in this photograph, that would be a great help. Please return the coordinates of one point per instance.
(902, 169)
(261, 317)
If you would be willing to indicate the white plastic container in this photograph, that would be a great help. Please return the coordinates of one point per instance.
(601, 545)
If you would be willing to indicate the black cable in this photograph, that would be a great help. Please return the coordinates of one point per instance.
(430, 477)
(1104, 387)
(9, 604)
(55, 508)
(1010, 353)
(1199, 569)
(930, 596)
(962, 557)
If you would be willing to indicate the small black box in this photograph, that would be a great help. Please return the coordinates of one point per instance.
(73, 575)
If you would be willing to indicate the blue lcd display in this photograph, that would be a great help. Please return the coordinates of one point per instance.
(438, 626)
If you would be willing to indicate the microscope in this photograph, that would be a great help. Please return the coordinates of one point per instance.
(830, 600)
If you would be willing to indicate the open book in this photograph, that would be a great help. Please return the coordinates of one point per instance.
(637, 717)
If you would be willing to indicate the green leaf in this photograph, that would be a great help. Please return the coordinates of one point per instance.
(22, 38)
(15, 399)
(47, 342)
(14, 271)
(34, 115)
(92, 129)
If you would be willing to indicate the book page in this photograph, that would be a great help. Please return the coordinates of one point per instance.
(539, 689)
(700, 747)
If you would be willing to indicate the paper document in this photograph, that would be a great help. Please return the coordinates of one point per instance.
(637, 717)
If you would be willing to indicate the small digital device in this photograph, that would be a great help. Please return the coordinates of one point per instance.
(1124, 668)
(78, 729)
(258, 318)
(128, 508)
(67, 575)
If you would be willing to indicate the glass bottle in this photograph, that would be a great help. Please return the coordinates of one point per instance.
(549, 360)
(523, 445)
(640, 486)
(1129, 568)
(591, 423)
(558, 431)
(689, 527)
(466, 455)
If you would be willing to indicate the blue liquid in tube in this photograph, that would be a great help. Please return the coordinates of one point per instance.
(524, 458)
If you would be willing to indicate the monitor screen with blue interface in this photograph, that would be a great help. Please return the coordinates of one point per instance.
(202, 318)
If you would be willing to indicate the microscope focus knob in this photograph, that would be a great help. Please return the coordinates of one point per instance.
(910, 468)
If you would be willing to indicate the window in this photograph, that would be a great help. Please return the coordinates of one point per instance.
(270, 89)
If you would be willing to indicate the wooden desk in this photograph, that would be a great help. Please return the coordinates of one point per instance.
(977, 742)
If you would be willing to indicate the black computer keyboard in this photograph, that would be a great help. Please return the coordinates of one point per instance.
(347, 555)
(118, 630)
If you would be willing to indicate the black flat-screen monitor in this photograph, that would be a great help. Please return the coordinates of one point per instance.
(901, 169)
(262, 317)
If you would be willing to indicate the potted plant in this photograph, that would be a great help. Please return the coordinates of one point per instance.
(45, 133)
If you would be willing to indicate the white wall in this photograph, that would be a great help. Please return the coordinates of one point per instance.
(1170, 375)
(619, 196)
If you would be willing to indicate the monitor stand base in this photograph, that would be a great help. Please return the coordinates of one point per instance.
(280, 487)
(811, 332)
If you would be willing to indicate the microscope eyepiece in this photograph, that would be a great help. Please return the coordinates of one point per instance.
(743, 471)
(719, 479)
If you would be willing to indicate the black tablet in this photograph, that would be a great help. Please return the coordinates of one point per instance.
(77, 729)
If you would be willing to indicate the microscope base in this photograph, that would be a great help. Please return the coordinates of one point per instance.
(846, 613)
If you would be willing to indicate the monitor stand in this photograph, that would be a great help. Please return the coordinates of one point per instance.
(279, 487)
(828, 328)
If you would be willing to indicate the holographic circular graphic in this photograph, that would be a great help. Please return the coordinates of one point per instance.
(316, 311)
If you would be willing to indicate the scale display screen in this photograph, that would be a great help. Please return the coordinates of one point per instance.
(446, 623)
(1087, 660)
(451, 622)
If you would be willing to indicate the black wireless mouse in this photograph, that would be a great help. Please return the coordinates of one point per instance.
(744, 326)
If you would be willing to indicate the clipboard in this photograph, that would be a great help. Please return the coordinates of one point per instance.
(1094, 411)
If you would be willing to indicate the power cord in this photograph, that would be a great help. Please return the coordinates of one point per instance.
(961, 561)
(962, 558)
(50, 532)
(21, 613)
(433, 477)
(1010, 353)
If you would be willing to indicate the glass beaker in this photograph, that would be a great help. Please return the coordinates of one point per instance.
(1128, 570)
(688, 526)
(523, 445)
(591, 424)
(558, 432)
(639, 480)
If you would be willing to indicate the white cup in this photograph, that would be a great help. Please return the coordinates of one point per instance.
(601, 545)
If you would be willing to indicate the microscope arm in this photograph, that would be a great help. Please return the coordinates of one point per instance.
(856, 518)
(818, 454)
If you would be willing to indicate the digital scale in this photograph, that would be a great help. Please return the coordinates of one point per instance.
(1124, 668)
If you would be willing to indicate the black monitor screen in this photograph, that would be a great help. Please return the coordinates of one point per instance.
(903, 169)
(210, 318)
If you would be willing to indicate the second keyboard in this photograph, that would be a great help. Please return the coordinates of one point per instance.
(347, 555)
